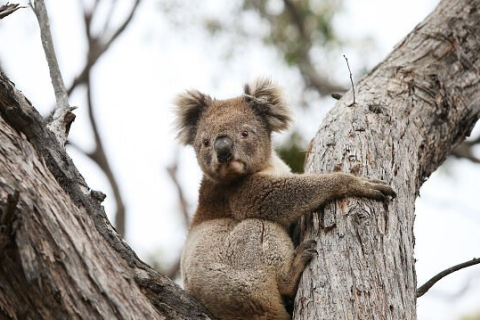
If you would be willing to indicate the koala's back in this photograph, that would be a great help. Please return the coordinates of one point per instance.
(235, 275)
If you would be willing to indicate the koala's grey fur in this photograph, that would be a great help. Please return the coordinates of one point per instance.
(239, 260)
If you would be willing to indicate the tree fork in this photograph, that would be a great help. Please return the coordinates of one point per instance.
(411, 111)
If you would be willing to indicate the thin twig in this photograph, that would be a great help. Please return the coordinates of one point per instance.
(425, 287)
(9, 8)
(172, 172)
(351, 79)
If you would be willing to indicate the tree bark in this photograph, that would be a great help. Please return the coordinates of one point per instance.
(60, 258)
(410, 112)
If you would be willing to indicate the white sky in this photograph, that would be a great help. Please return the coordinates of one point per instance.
(138, 78)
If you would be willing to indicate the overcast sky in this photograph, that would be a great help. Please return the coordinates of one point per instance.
(136, 81)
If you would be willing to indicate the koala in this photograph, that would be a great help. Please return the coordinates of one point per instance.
(239, 260)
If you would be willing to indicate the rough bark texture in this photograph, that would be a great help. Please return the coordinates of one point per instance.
(59, 256)
(410, 112)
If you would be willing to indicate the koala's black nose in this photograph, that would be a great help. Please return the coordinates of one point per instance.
(223, 146)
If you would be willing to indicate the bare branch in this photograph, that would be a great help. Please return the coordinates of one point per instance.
(62, 116)
(98, 47)
(425, 287)
(77, 229)
(108, 18)
(172, 172)
(8, 9)
(56, 76)
(464, 150)
(100, 158)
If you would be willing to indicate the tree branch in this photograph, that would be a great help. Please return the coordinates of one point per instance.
(172, 170)
(98, 47)
(464, 150)
(100, 158)
(425, 287)
(62, 116)
(8, 9)
(76, 237)
(368, 247)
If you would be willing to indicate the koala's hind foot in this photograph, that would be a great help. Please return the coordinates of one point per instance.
(302, 255)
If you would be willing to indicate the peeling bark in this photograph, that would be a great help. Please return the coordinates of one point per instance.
(410, 113)
(59, 256)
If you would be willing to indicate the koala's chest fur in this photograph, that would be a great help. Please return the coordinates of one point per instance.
(250, 244)
(233, 267)
(229, 261)
(218, 233)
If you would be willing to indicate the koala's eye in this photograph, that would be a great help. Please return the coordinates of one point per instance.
(244, 134)
(206, 142)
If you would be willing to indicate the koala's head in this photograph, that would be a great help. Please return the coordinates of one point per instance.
(232, 138)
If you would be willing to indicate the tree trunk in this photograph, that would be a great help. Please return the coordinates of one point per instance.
(59, 256)
(409, 113)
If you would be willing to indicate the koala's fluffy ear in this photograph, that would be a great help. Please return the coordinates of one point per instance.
(189, 108)
(266, 99)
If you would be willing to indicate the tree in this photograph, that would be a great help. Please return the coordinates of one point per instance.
(60, 257)
(409, 113)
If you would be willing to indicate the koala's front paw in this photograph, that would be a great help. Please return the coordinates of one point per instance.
(374, 189)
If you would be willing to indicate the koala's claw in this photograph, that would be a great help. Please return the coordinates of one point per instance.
(378, 189)
(308, 249)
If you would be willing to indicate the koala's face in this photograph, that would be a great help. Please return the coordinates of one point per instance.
(231, 141)
(232, 137)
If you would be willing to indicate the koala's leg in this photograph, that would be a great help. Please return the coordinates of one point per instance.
(289, 279)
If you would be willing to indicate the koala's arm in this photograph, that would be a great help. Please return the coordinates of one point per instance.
(285, 199)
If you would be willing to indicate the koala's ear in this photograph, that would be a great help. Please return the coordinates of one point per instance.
(266, 99)
(189, 108)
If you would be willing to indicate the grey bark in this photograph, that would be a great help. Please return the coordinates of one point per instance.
(59, 256)
(410, 112)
